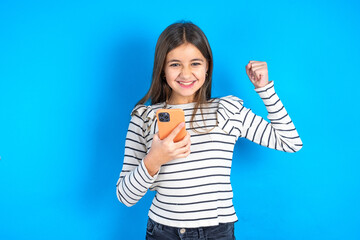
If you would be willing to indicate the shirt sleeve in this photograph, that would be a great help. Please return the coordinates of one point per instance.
(280, 133)
(134, 180)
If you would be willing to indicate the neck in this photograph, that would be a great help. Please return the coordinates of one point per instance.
(180, 101)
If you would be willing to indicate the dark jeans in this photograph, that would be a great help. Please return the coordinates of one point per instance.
(157, 231)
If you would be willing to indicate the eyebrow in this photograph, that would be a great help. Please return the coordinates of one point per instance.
(195, 59)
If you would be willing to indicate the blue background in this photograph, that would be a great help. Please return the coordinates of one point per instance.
(71, 71)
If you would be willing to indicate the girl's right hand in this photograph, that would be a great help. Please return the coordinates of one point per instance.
(163, 151)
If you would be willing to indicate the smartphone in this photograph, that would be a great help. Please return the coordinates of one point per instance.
(167, 120)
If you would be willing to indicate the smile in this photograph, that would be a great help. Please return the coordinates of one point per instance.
(186, 84)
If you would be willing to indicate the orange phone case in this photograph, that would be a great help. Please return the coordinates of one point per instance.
(166, 127)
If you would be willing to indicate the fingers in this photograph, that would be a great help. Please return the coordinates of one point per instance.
(255, 65)
(183, 142)
(175, 132)
(174, 150)
(256, 69)
(184, 151)
(184, 155)
(183, 146)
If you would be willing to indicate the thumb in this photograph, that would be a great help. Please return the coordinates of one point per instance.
(176, 130)
(247, 68)
(156, 136)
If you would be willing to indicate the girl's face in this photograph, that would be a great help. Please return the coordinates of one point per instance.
(185, 72)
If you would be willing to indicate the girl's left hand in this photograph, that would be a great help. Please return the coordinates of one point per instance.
(258, 73)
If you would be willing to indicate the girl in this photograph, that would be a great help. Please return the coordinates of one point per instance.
(192, 177)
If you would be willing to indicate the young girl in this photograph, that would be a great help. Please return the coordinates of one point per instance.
(192, 177)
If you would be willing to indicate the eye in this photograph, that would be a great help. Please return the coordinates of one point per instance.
(174, 65)
(196, 63)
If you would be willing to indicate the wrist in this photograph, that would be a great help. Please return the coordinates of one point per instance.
(262, 85)
(150, 165)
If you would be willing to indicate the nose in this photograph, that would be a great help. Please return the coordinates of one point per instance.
(186, 72)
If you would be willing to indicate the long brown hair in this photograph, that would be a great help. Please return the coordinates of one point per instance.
(173, 36)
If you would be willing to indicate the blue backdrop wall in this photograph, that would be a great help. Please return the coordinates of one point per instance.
(71, 71)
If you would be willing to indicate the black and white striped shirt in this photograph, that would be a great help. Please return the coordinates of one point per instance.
(195, 191)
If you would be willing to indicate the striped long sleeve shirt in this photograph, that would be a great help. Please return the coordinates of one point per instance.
(196, 191)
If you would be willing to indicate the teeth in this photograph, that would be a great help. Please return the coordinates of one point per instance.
(186, 84)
